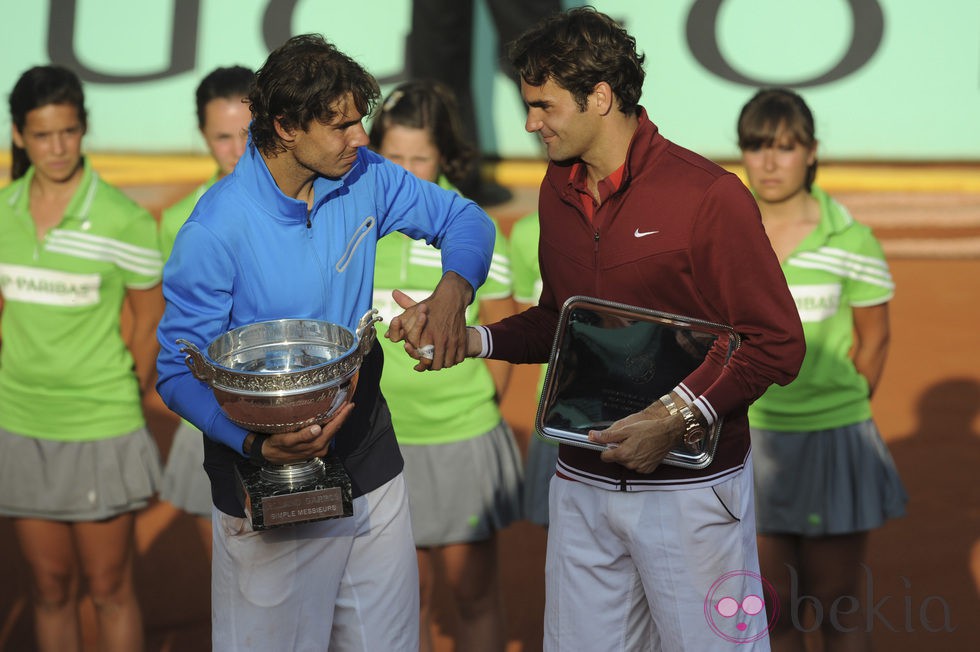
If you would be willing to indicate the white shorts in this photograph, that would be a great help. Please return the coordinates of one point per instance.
(673, 570)
(346, 584)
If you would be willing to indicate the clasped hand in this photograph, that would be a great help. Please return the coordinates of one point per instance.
(311, 441)
(438, 321)
(641, 441)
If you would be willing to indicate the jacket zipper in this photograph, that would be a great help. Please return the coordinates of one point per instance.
(595, 260)
(359, 234)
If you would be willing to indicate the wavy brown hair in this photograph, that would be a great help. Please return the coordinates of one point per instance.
(577, 49)
(429, 105)
(302, 81)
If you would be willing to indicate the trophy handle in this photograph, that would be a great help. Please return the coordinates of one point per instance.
(195, 361)
(366, 333)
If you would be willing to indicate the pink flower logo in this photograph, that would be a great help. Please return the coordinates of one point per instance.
(735, 602)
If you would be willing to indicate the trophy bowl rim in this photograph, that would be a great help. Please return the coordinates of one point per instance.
(351, 350)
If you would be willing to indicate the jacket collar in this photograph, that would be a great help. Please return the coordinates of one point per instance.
(80, 205)
(834, 218)
(254, 175)
(646, 143)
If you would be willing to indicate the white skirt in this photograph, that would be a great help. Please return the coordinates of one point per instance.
(837, 481)
(77, 481)
(464, 491)
(185, 483)
(542, 458)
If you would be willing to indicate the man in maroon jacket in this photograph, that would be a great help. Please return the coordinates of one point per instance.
(643, 555)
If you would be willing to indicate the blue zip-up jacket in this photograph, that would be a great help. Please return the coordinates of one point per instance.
(249, 253)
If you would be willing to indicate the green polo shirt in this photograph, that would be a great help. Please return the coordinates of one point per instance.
(174, 217)
(839, 266)
(526, 273)
(434, 407)
(524, 268)
(65, 372)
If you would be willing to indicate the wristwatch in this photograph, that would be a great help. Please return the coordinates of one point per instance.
(668, 403)
(693, 430)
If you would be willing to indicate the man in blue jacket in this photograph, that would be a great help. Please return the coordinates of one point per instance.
(292, 233)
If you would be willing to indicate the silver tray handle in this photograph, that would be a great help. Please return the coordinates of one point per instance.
(366, 332)
(195, 361)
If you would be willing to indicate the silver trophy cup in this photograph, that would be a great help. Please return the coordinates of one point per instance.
(281, 376)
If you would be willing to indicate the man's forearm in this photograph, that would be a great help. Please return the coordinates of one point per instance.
(453, 286)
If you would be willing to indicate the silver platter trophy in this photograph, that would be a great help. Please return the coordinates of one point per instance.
(610, 360)
(281, 376)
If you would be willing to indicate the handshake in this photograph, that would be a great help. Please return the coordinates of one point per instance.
(434, 329)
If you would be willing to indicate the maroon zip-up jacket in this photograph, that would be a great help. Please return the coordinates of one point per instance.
(684, 236)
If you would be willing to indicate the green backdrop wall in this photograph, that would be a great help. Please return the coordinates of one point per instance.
(889, 80)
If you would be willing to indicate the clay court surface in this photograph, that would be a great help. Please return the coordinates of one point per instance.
(923, 573)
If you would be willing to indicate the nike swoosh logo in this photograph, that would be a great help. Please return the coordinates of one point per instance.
(639, 234)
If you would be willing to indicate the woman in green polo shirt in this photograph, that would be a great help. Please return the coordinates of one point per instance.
(462, 466)
(823, 476)
(76, 460)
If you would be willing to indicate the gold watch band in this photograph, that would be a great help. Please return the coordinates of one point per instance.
(693, 430)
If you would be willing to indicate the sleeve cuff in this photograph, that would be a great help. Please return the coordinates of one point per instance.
(486, 341)
(707, 411)
(229, 434)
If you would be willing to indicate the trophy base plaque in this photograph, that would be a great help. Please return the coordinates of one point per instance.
(320, 490)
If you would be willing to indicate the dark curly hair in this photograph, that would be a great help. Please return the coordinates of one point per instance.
(770, 111)
(37, 87)
(429, 105)
(302, 81)
(577, 49)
